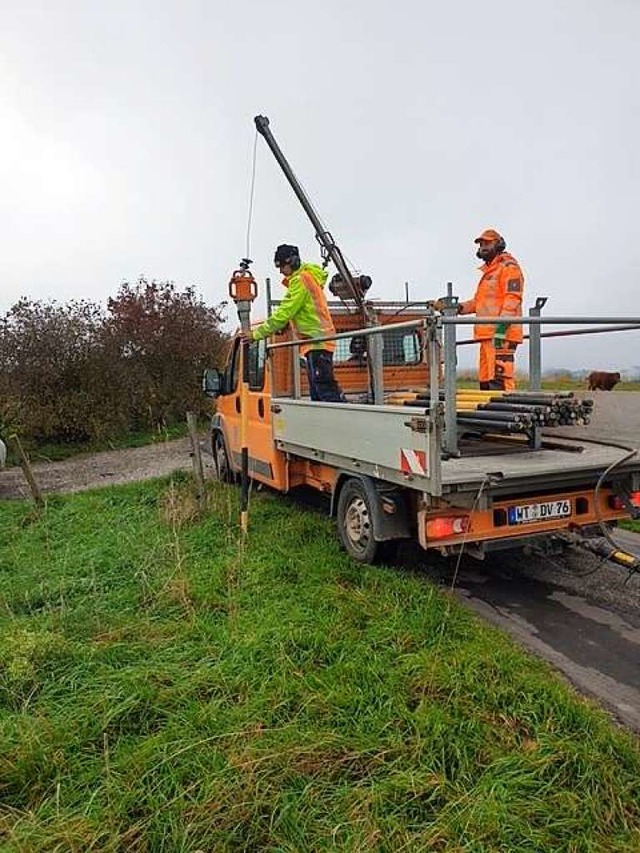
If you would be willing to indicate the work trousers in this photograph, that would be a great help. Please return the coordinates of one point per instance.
(496, 367)
(322, 383)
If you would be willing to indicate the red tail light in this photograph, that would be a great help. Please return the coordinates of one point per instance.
(446, 526)
(616, 502)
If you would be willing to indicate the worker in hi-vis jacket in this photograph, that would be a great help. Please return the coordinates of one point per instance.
(498, 294)
(305, 307)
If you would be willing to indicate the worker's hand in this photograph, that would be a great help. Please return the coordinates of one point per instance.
(247, 337)
(436, 304)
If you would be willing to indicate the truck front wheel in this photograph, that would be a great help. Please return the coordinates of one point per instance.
(355, 523)
(221, 459)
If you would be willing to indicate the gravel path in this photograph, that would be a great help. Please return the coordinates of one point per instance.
(91, 471)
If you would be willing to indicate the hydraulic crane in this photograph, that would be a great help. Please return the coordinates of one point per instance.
(344, 284)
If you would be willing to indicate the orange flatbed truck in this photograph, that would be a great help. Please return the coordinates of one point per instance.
(382, 464)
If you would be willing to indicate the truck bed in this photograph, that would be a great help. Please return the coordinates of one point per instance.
(567, 462)
(392, 442)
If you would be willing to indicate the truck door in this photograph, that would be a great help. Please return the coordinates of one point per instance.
(259, 432)
(266, 463)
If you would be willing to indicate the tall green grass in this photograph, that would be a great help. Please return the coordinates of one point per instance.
(165, 687)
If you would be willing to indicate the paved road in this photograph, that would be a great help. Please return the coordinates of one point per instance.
(615, 418)
(580, 614)
(586, 625)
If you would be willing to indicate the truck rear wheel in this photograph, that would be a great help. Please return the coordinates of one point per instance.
(355, 523)
(221, 459)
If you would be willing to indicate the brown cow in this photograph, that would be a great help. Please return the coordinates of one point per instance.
(602, 380)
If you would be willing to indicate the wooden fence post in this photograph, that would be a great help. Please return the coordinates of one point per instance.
(26, 468)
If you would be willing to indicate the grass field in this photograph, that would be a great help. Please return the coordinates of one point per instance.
(165, 688)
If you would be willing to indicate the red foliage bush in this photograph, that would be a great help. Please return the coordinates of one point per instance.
(78, 372)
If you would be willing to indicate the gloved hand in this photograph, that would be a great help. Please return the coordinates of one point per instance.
(247, 337)
(436, 304)
(500, 336)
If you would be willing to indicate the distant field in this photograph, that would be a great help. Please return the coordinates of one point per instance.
(556, 384)
(573, 384)
(165, 687)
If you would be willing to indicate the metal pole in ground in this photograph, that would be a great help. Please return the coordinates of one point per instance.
(196, 458)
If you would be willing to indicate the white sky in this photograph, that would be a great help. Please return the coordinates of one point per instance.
(127, 134)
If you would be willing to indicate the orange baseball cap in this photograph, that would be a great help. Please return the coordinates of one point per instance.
(489, 235)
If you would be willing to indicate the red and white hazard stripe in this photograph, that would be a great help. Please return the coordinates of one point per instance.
(413, 461)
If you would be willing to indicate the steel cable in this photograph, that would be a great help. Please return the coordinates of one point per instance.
(251, 195)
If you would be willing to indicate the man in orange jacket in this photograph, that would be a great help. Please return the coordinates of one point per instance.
(498, 294)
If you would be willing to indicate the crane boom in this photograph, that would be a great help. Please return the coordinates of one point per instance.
(330, 250)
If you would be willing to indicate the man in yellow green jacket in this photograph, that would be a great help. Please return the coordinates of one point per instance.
(305, 307)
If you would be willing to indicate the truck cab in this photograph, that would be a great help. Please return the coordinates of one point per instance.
(277, 375)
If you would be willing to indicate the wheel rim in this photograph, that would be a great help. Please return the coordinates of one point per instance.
(357, 525)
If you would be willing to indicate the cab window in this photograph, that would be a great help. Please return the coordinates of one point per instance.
(232, 373)
(401, 347)
(257, 358)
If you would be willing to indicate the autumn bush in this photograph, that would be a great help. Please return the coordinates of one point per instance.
(81, 372)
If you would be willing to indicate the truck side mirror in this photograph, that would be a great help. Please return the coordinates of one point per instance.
(212, 382)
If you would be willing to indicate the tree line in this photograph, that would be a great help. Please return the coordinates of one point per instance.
(79, 372)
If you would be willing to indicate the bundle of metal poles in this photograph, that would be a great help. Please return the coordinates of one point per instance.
(518, 411)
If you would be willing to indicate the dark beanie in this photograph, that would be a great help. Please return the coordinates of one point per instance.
(284, 252)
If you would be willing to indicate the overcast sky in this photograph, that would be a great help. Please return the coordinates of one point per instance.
(127, 138)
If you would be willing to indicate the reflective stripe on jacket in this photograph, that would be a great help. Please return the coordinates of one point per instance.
(499, 293)
(305, 306)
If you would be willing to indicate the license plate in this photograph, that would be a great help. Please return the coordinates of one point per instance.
(530, 513)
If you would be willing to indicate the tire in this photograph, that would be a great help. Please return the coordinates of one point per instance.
(221, 459)
(355, 523)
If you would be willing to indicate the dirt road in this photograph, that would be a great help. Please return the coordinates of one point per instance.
(94, 470)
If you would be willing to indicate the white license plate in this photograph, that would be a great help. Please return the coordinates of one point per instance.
(530, 513)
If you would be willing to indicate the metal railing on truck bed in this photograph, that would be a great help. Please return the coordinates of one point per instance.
(418, 444)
